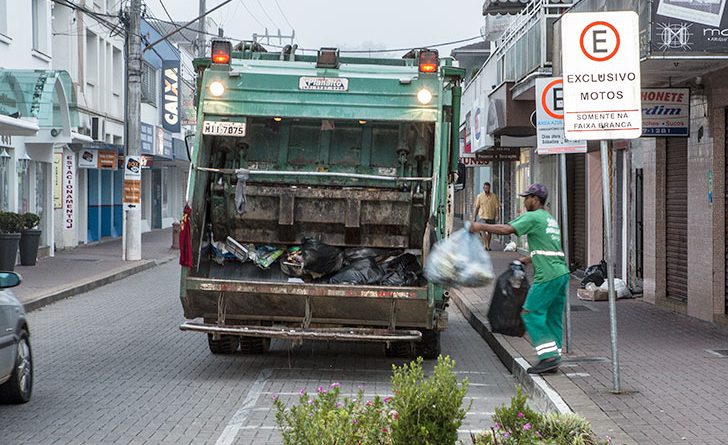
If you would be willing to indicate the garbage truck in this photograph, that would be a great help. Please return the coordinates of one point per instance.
(345, 152)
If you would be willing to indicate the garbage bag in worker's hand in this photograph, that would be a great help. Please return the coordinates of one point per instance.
(509, 295)
(459, 260)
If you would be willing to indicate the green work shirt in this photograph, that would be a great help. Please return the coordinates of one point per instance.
(544, 243)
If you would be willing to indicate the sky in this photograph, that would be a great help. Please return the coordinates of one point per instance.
(346, 24)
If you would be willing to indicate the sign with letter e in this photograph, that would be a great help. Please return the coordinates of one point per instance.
(601, 72)
(550, 119)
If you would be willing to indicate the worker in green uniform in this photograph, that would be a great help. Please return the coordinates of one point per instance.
(544, 305)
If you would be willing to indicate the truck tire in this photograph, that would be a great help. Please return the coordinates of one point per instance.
(228, 344)
(429, 347)
(254, 345)
(399, 349)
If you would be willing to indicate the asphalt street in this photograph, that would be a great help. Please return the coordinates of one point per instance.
(112, 367)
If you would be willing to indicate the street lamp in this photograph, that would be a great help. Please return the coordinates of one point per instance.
(23, 163)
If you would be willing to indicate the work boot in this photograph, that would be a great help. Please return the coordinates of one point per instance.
(545, 365)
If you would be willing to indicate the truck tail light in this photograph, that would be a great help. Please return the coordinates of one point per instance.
(429, 61)
(221, 52)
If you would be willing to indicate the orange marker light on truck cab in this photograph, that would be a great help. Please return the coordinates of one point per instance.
(429, 61)
(220, 50)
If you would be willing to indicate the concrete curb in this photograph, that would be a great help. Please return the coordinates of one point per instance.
(79, 287)
(543, 397)
(545, 392)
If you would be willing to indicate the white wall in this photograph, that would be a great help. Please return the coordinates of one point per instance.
(16, 43)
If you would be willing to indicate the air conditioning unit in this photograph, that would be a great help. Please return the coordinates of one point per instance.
(98, 129)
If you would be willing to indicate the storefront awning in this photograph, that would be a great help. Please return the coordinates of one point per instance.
(11, 126)
(46, 96)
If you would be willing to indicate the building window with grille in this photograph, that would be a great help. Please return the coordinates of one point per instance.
(149, 84)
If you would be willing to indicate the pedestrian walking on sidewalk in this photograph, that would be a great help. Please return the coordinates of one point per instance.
(486, 211)
(544, 306)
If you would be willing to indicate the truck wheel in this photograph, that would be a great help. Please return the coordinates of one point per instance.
(399, 349)
(254, 345)
(228, 344)
(429, 347)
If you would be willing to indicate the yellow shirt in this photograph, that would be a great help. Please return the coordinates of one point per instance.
(487, 206)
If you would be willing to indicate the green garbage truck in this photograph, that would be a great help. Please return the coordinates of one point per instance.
(345, 153)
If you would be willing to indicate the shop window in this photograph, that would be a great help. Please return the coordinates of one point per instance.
(42, 179)
(23, 188)
(5, 159)
(166, 183)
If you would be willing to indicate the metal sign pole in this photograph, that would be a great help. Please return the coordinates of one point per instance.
(610, 264)
(565, 243)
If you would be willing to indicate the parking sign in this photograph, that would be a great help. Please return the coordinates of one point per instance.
(601, 72)
(550, 119)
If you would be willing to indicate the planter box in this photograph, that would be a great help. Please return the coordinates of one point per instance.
(8, 251)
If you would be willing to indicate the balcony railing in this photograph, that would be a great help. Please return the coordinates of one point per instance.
(526, 44)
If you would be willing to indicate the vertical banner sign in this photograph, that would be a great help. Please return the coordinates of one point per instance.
(550, 119)
(69, 184)
(170, 96)
(601, 75)
(132, 182)
(57, 180)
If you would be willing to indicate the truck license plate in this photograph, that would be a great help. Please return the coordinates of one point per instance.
(236, 129)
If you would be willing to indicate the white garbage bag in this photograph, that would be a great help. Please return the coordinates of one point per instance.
(459, 261)
(620, 288)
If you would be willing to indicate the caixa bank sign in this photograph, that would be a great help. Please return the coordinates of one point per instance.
(170, 96)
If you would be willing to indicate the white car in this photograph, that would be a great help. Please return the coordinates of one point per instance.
(16, 361)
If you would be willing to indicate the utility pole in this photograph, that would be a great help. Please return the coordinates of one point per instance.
(133, 233)
(201, 42)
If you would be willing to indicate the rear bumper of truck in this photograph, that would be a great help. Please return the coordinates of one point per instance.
(332, 334)
(234, 303)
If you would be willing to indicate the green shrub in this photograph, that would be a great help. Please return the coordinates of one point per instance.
(30, 220)
(10, 222)
(518, 424)
(429, 409)
(326, 420)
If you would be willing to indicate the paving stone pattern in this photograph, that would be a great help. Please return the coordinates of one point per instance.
(112, 367)
(674, 392)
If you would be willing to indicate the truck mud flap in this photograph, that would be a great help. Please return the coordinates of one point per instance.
(333, 334)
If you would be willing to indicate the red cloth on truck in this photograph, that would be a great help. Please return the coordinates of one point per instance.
(185, 239)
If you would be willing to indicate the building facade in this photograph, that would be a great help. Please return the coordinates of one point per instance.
(667, 187)
(38, 117)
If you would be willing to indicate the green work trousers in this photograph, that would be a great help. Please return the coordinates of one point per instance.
(543, 314)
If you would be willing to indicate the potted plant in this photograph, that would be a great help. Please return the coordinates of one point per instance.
(29, 239)
(10, 227)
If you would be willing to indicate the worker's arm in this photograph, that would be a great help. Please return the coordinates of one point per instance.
(497, 229)
(475, 214)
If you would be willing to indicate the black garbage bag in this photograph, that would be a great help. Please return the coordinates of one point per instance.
(596, 274)
(509, 295)
(402, 270)
(400, 278)
(405, 262)
(320, 259)
(357, 253)
(364, 271)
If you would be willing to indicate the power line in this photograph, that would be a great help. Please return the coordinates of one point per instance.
(283, 14)
(392, 50)
(275, 25)
(98, 16)
(180, 28)
(251, 13)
